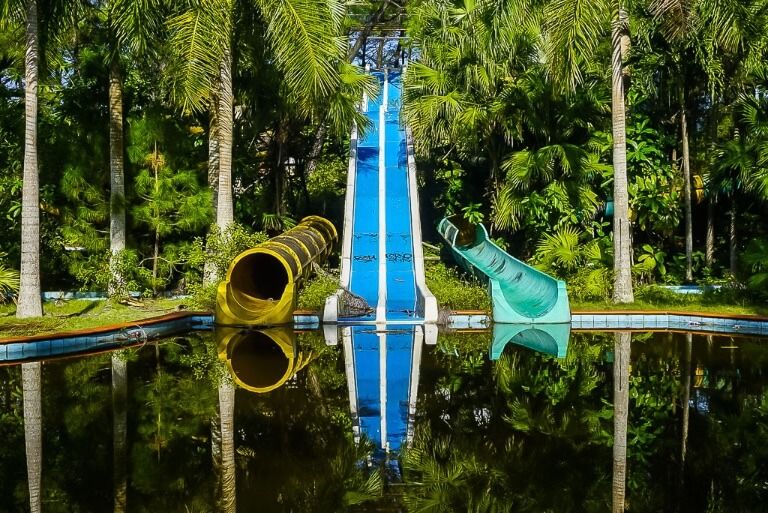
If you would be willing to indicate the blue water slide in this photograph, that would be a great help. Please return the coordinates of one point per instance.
(382, 258)
(520, 293)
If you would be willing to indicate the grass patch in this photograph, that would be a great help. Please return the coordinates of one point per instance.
(725, 301)
(79, 314)
(453, 291)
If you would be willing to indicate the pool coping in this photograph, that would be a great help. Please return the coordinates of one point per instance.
(126, 334)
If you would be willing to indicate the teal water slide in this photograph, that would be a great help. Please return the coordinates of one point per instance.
(520, 293)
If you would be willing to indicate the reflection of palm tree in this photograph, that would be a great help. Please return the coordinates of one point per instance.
(620, 417)
(119, 429)
(227, 414)
(33, 430)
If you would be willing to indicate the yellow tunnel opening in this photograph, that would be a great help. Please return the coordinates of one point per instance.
(259, 276)
(258, 361)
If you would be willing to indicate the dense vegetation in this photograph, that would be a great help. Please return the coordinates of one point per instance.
(138, 132)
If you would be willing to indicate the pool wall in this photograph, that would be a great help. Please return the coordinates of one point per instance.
(19, 349)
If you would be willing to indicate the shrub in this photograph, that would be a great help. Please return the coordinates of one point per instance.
(455, 292)
(316, 290)
(218, 250)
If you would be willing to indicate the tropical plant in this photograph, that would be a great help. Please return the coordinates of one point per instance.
(9, 280)
(756, 257)
(572, 35)
(569, 254)
(29, 301)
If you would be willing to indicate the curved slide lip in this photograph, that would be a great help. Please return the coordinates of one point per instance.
(520, 293)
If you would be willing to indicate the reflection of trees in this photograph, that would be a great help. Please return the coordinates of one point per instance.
(33, 430)
(119, 430)
(170, 407)
(527, 433)
(227, 431)
(296, 449)
(620, 417)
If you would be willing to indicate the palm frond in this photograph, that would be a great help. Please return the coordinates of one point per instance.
(303, 35)
(199, 38)
(573, 30)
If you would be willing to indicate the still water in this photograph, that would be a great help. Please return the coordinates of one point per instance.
(165, 427)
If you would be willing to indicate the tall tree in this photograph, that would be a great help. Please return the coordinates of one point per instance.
(132, 26)
(573, 30)
(30, 300)
(303, 38)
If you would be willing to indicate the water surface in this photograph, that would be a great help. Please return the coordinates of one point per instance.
(164, 427)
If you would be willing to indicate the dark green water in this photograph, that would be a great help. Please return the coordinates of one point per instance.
(147, 430)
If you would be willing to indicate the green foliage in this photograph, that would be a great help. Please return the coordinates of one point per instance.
(650, 264)
(93, 272)
(472, 214)
(316, 289)
(9, 280)
(218, 250)
(203, 296)
(584, 265)
(756, 257)
(329, 180)
(455, 291)
(654, 184)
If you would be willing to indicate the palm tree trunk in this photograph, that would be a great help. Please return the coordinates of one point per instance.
(622, 245)
(686, 187)
(224, 207)
(30, 303)
(116, 176)
(31, 377)
(732, 239)
(227, 414)
(317, 148)
(119, 431)
(213, 149)
(210, 273)
(709, 250)
(622, 351)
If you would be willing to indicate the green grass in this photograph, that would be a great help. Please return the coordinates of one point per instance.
(655, 298)
(693, 306)
(80, 314)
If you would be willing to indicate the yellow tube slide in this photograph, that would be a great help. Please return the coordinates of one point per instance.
(260, 288)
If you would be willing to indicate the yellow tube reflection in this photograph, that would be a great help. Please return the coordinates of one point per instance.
(261, 360)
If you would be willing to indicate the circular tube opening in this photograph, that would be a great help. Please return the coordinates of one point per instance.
(259, 276)
(257, 360)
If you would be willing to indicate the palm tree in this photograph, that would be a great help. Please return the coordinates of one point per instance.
(471, 53)
(303, 36)
(131, 25)
(30, 302)
(622, 344)
(33, 430)
(572, 33)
